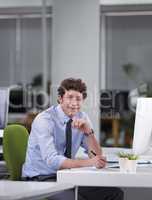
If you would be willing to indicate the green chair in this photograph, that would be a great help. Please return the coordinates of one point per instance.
(14, 149)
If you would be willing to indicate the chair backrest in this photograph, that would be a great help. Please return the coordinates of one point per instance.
(14, 149)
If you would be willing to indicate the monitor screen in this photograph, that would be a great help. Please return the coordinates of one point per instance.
(4, 103)
(142, 141)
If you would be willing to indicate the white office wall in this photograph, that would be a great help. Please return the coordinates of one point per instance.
(76, 48)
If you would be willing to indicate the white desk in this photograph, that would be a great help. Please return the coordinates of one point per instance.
(16, 190)
(106, 177)
(110, 178)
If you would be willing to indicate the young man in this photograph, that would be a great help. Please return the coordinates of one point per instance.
(48, 145)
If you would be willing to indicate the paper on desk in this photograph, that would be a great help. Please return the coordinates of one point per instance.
(84, 168)
(112, 165)
(108, 165)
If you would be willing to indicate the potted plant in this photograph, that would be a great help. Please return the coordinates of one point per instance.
(127, 162)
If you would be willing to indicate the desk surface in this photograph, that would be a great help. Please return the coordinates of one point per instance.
(106, 177)
(16, 190)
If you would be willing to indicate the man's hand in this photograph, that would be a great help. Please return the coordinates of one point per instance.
(82, 125)
(98, 161)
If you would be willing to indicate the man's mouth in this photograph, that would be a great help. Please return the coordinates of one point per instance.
(74, 109)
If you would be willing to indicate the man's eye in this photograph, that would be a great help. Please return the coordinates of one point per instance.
(78, 99)
(74, 98)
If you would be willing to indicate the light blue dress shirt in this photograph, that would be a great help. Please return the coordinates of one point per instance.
(47, 142)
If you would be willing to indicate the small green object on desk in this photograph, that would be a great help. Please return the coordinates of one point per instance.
(130, 156)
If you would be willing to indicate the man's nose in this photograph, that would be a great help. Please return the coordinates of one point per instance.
(74, 101)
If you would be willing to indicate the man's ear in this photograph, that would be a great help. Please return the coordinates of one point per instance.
(59, 100)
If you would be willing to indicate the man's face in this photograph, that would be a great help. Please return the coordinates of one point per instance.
(71, 102)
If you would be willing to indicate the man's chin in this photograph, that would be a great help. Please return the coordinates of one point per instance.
(73, 113)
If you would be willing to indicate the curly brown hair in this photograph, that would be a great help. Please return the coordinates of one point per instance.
(72, 84)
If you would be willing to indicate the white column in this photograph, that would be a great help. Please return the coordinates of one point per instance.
(76, 48)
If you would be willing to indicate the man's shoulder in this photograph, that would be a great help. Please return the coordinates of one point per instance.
(46, 115)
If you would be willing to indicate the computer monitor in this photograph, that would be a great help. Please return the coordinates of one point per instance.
(142, 140)
(4, 104)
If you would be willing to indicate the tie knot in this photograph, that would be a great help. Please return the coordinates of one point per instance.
(70, 121)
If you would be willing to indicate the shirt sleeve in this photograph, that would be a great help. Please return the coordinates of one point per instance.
(43, 129)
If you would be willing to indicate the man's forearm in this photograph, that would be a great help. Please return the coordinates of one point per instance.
(93, 144)
(71, 163)
(98, 161)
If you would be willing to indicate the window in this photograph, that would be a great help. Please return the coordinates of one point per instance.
(25, 51)
(126, 57)
(21, 49)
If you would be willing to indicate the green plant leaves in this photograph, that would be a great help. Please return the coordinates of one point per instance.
(130, 156)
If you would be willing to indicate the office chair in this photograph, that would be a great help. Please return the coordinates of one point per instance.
(14, 149)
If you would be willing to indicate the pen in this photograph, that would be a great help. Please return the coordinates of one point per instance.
(93, 153)
(96, 154)
(102, 159)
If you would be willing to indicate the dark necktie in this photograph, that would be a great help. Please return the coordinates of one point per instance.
(68, 131)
